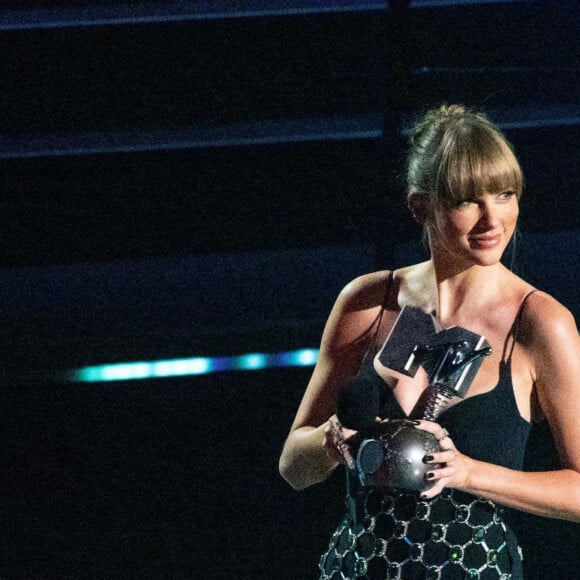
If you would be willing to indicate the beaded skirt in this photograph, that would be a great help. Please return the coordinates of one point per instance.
(452, 536)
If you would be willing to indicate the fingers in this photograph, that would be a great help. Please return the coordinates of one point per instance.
(446, 462)
(440, 433)
(446, 456)
(440, 477)
(333, 440)
(433, 491)
(334, 454)
(442, 474)
(337, 441)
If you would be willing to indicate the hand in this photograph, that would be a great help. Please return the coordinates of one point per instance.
(336, 441)
(454, 468)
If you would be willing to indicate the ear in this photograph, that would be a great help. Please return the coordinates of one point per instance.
(419, 205)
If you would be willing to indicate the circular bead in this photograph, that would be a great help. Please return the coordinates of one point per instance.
(422, 510)
(438, 533)
(478, 534)
(456, 554)
(394, 571)
(461, 513)
(361, 567)
(380, 547)
(416, 552)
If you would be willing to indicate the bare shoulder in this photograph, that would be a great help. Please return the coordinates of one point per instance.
(366, 291)
(544, 318)
(355, 313)
(549, 334)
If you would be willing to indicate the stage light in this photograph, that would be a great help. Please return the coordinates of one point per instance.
(182, 367)
(251, 362)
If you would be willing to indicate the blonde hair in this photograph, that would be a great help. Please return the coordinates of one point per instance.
(457, 154)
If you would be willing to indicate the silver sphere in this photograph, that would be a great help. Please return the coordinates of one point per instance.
(394, 457)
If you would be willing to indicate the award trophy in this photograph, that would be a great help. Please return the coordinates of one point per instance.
(390, 454)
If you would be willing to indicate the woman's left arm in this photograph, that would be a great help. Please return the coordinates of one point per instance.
(550, 337)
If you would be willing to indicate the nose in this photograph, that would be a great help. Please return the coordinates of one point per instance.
(489, 215)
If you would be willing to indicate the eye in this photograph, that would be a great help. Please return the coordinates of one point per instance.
(464, 203)
(506, 195)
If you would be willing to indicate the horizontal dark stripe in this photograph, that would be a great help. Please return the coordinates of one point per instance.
(262, 132)
(150, 12)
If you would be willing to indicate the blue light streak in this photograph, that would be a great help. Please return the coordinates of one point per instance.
(194, 366)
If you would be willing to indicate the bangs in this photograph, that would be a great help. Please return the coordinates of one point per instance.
(475, 162)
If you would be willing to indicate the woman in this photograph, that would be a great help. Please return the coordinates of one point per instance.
(464, 187)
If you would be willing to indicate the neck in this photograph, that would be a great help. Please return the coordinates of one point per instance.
(464, 290)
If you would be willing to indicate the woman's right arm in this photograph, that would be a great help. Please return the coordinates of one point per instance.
(309, 454)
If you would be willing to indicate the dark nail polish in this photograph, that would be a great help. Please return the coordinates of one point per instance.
(427, 458)
(416, 422)
(430, 475)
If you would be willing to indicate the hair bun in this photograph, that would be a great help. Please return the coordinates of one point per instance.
(450, 111)
(441, 118)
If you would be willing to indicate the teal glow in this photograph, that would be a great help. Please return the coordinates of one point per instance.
(192, 366)
(182, 367)
(120, 372)
(251, 362)
(306, 357)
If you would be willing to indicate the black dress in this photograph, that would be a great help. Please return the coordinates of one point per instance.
(454, 535)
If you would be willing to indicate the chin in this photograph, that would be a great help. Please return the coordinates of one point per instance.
(484, 258)
(488, 263)
(487, 258)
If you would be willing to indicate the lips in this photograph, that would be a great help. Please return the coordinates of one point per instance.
(485, 241)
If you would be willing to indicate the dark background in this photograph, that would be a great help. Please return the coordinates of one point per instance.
(202, 178)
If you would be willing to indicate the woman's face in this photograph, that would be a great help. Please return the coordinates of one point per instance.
(476, 231)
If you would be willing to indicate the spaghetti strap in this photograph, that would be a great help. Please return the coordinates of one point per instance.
(383, 306)
(510, 341)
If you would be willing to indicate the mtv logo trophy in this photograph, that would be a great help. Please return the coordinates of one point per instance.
(390, 454)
